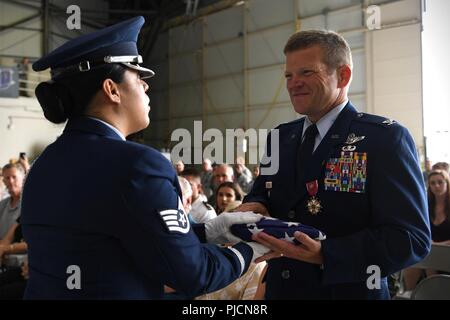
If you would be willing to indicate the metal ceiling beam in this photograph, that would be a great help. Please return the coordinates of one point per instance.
(22, 4)
(45, 27)
(21, 28)
(18, 22)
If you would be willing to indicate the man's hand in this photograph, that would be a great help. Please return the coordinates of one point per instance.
(254, 207)
(217, 230)
(3, 250)
(309, 249)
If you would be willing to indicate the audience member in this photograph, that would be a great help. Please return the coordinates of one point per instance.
(227, 193)
(439, 211)
(13, 177)
(179, 166)
(441, 166)
(206, 176)
(12, 280)
(243, 174)
(201, 211)
(221, 173)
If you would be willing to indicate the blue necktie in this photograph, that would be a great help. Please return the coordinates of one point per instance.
(305, 150)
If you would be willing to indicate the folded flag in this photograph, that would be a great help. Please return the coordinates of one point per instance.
(276, 228)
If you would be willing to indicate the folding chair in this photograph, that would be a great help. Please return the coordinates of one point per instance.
(436, 287)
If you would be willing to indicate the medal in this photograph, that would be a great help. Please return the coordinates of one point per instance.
(313, 204)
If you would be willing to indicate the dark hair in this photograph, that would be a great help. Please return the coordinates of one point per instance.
(68, 96)
(238, 193)
(432, 198)
(336, 51)
(440, 166)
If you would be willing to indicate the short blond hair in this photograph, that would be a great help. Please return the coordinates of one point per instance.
(15, 165)
(336, 51)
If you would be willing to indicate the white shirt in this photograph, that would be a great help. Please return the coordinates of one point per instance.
(110, 126)
(200, 212)
(324, 124)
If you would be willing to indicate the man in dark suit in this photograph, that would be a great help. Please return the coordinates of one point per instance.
(102, 216)
(356, 178)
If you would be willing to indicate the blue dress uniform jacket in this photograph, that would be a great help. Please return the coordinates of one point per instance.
(384, 224)
(93, 201)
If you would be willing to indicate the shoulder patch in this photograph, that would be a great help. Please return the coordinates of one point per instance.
(175, 220)
(374, 119)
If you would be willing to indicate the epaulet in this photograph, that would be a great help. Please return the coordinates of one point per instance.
(207, 205)
(290, 123)
(374, 119)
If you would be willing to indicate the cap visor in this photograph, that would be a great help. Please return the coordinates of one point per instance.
(144, 72)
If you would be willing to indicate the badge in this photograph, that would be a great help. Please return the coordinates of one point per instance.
(349, 148)
(313, 204)
(353, 138)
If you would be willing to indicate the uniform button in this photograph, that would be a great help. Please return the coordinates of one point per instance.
(285, 274)
(291, 214)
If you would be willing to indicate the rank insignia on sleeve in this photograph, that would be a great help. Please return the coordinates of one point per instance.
(389, 122)
(176, 220)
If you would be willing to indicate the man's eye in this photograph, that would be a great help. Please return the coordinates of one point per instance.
(307, 72)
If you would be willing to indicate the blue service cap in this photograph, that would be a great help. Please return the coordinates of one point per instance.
(114, 44)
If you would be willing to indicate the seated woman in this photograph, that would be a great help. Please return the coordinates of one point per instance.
(439, 211)
(12, 276)
(229, 196)
(226, 194)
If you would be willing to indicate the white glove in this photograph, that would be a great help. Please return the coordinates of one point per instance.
(217, 230)
(258, 250)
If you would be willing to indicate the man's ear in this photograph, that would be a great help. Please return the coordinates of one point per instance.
(111, 91)
(344, 76)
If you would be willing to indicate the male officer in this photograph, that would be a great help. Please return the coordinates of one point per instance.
(103, 216)
(357, 179)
